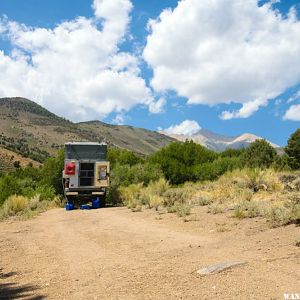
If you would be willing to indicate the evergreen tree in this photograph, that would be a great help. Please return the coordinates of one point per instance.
(260, 154)
(293, 150)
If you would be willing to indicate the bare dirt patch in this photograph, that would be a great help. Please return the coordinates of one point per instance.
(113, 253)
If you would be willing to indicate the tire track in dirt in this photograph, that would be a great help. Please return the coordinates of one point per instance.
(115, 254)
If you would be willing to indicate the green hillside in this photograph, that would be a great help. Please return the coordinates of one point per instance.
(34, 132)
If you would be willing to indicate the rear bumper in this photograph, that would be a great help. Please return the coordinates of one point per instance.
(84, 191)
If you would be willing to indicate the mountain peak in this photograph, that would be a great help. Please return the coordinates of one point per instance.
(218, 142)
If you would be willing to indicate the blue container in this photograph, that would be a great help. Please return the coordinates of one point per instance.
(69, 206)
(96, 203)
(84, 206)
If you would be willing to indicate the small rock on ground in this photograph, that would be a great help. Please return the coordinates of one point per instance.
(216, 268)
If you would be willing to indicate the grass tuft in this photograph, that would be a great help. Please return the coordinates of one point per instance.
(20, 206)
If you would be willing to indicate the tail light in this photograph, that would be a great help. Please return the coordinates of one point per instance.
(70, 169)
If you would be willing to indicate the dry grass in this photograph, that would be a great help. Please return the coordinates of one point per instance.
(248, 209)
(252, 193)
(246, 193)
(159, 196)
(23, 207)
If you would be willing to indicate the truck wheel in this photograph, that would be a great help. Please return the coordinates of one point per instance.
(102, 201)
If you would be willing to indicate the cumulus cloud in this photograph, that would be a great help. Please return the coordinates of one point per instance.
(187, 127)
(293, 113)
(294, 97)
(225, 51)
(158, 106)
(119, 119)
(75, 69)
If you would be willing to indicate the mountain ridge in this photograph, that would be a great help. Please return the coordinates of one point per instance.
(218, 142)
(31, 130)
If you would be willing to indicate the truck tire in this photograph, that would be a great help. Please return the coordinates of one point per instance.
(103, 201)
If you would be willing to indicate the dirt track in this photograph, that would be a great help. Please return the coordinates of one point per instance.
(113, 253)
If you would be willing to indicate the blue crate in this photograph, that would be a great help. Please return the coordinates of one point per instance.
(85, 206)
(96, 203)
(69, 206)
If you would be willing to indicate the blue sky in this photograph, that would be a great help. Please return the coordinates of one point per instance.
(150, 88)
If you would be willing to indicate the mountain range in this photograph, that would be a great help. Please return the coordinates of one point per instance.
(31, 130)
(31, 133)
(218, 142)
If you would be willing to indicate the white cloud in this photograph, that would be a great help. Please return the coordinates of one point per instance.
(76, 68)
(187, 127)
(115, 14)
(158, 106)
(294, 97)
(246, 111)
(119, 119)
(293, 113)
(225, 51)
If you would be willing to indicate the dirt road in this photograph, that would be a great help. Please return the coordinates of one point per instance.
(113, 253)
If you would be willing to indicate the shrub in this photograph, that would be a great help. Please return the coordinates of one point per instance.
(158, 187)
(178, 160)
(113, 195)
(294, 208)
(45, 192)
(155, 201)
(202, 200)
(14, 205)
(293, 150)
(176, 196)
(213, 170)
(122, 157)
(130, 195)
(278, 216)
(232, 152)
(145, 173)
(124, 175)
(254, 179)
(260, 154)
(52, 171)
(247, 209)
(183, 209)
(281, 163)
(8, 187)
(25, 207)
(215, 208)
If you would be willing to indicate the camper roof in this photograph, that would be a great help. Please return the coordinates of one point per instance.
(85, 151)
(84, 143)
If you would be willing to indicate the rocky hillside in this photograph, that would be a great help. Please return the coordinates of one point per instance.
(218, 142)
(32, 131)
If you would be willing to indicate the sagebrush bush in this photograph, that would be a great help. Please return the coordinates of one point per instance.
(248, 209)
(215, 208)
(202, 199)
(249, 193)
(155, 201)
(176, 195)
(158, 187)
(14, 205)
(183, 209)
(21, 206)
(158, 194)
(278, 216)
(130, 195)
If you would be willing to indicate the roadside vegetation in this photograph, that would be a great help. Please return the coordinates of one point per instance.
(28, 191)
(247, 183)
